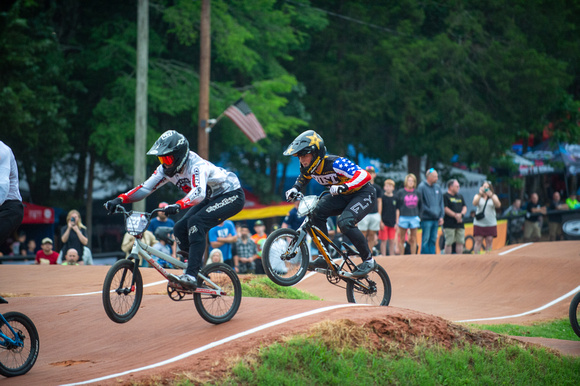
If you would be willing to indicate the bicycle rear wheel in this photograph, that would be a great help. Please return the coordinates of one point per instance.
(377, 291)
(281, 268)
(575, 313)
(18, 359)
(121, 298)
(218, 309)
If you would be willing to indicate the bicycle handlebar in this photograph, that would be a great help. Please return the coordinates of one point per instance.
(300, 195)
(121, 209)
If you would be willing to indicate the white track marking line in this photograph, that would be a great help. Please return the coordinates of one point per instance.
(515, 249)
(574, 291)
(99, 292)
(219, 342)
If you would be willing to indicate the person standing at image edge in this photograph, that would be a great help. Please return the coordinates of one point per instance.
(11, 208)
(432, 211)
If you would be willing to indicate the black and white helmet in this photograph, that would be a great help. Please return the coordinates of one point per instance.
(172, 150)
(309, 142)
(164, 233)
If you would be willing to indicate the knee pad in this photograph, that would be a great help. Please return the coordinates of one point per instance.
(346, 222)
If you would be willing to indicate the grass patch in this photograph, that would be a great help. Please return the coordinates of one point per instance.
(342, 352)
(262, 287)
(556, 329)
(317, 358)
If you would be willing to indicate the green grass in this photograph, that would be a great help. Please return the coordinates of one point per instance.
(343, 353)
(304, 361)
(262, 287)
(556, 329)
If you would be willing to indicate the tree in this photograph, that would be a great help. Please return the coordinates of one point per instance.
(34, 105)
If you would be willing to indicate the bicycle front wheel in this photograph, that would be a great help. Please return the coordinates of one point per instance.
(575, 313)
(18, 358)
(374, 289)
(283, 268)
(122, 298)
(218, 309)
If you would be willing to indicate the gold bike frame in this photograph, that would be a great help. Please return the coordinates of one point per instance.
(316, 234)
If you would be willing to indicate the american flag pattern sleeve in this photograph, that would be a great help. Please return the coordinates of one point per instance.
(354, 175)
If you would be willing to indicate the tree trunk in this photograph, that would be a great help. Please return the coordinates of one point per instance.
(89, 219)
(414, 166)
(79, 192)
(141, 97)
(204, 76)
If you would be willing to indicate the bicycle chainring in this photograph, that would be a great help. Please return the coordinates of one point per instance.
(332, 277)
(174, 293)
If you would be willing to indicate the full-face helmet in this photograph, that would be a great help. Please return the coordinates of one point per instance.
(171, 149)
(164, 234)
(309, 142)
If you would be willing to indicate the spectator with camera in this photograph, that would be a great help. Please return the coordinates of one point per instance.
(485, 222)
(74, 234)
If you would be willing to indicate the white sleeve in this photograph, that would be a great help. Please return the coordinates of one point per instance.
(4, 173)
(138, 193)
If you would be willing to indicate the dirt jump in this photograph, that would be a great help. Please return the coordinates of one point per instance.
(79, 344)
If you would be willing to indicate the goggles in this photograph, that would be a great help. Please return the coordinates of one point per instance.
(166, 160)
(303, 152)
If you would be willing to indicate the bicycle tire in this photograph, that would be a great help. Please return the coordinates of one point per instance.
(574, 313)
(122, 303)
(219, 309)
(15, 361)
(379, 296)
(284, 272)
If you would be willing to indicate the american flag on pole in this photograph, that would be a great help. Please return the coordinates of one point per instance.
(243, 117)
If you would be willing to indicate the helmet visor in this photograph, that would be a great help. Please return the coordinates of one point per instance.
(166, 160)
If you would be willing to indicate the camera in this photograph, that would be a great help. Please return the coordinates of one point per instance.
(73, 220)
(486, 190)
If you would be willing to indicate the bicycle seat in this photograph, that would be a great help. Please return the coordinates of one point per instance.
(350, 251)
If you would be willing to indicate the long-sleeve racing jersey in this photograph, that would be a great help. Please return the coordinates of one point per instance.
(336, 170)
(8, 175)
(199, 179)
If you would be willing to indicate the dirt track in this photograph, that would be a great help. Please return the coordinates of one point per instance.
(79, 342)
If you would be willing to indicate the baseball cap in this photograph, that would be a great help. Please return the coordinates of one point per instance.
(370, 169)
(163, 204)
(259, 222)
(46, 240)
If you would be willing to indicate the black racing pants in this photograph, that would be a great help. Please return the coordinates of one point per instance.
(11, 214)
(191, 230)
(351, 208)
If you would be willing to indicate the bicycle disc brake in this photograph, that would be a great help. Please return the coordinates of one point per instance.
(369, 289)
